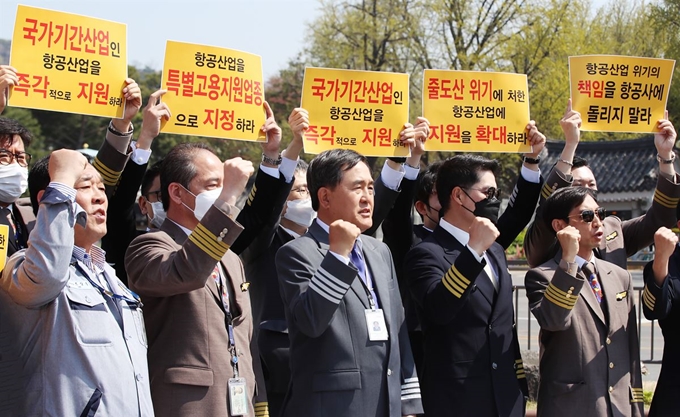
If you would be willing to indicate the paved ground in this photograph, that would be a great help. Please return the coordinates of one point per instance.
(651, 343)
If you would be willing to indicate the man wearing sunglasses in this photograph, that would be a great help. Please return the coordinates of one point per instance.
(590, 358)
(622, 238)
(459, 280)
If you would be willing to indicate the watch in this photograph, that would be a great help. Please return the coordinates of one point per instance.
(532, 160)
(270, 161)
(666, 161)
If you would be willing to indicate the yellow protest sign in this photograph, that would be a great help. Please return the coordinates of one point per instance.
(69, 63)
(213, 92)
(472, 111)
(360, 110)
(620, 93)
(4, 241)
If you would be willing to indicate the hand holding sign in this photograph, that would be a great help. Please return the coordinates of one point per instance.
(536, 140)
(154, 113)
(664, 139)
(8, 77)
(273, 132)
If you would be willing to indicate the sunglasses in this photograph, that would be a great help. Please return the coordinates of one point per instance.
(589, 215)
(491, 192)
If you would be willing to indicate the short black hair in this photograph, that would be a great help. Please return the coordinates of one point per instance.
(562, 202)
(579, 162)
(426, 181)
(461, 171)
(149, 176)
(178, 166)
(327, 169)
(301, 166)
(9, 128)
(38, 180)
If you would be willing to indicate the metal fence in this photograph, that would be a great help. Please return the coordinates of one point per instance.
(650, 349)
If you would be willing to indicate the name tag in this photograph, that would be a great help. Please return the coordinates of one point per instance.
(238, 397)
(621, 295)
(375, 322)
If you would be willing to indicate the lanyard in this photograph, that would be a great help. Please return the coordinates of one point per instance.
(229, 322)
(136, 301)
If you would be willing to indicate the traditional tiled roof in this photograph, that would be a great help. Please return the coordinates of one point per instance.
(618, 166)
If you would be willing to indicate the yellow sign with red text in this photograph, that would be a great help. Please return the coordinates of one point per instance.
(69, 63)
(360, 110)
(620, 93)
(214, 92)
(472, 111)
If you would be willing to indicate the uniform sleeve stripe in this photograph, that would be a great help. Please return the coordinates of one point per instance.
(211, 239)
(410, 385)
(557, 294)
(664, 200)
(409, 380)
(410, 397)
(523, 376)
(648, 299)
(649, 294)
(324, 285)
(546, 191)
(450, 288)
(196, 241)
(455, 284)
(319, 291)
(336, 283)
(513, 196)
(261, 409)
(459, 275)
(410, 391)
(208, 242)
(103, 169)
(548, 296)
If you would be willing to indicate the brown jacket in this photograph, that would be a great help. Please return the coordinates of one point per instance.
(623, 238)
(590, 356)
(189, 357)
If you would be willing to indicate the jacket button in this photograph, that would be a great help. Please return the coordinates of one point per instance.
(490, 327)
(611, 389)
(139, 377)
(494, 365)
(609, 341)
(611, 365)
(389, 372)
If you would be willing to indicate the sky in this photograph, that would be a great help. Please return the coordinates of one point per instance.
(273, 29)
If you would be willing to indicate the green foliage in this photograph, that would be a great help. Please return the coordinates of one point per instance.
(647, 397)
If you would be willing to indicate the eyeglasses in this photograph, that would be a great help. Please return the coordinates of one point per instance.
(491, 192)
(156, 193)
(589, 215)
(301, 190)
(7, 156)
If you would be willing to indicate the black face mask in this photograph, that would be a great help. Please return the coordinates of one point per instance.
(487, 208)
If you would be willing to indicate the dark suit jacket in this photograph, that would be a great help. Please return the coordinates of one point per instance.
(661, 303)
(121, 227)
(336, 370)
(590, 358)
(189, 359)
(472, 364)
(622, 238)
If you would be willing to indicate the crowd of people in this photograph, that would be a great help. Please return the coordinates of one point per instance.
(289, 306)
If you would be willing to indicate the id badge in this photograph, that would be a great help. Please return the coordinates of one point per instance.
(377, 329)
(238, 397)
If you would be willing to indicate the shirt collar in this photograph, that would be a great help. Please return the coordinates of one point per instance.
(95, 260)
(460, 235)
(184, 229)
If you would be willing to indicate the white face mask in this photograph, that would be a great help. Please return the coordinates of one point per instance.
(204, 201)
(300, 211)
(13, 182)
(158, 214)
